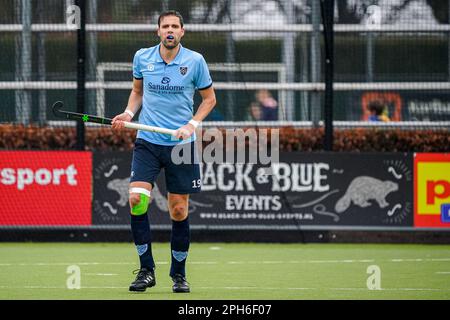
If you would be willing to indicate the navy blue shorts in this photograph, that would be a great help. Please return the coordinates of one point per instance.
(182, 172)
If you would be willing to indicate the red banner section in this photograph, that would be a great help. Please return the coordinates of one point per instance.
(45, 188)
(431, 189)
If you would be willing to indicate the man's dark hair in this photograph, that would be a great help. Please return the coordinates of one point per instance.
(377, 107)
(170, 13)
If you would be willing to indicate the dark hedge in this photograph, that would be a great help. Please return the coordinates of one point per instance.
(19, 137)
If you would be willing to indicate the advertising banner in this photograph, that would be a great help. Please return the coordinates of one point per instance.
(48, 188)
(111, 174)
(432, 190)
(302, 189)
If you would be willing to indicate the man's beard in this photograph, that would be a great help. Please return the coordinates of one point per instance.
(169, 46)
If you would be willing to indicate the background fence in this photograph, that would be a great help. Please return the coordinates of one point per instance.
(395, 51)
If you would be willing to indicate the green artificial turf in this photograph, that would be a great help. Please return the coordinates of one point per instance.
(229, 271)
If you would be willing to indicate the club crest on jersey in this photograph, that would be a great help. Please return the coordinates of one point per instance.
(183, 70)
(151, 67)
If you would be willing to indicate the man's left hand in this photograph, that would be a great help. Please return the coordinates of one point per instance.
(184, 132)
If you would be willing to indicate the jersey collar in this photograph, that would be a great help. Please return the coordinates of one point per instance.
(177, 59)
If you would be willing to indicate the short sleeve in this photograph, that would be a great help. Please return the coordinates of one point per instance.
(202, 77)
(136, 67)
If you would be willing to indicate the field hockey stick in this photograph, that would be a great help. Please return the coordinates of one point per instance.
(57, 111)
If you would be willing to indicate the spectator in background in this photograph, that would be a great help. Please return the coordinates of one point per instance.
(378, 111)
(254, 112)
(269, 106)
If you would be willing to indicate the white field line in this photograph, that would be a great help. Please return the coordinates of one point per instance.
(64, 264)
(234, 288)
(420, 260)
(231, 262)
(443, 272)
(70, 263)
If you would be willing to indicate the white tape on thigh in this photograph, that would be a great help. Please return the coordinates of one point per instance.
(140, 190)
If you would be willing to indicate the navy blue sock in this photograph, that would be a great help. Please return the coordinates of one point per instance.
(140, 227)
(179, 245)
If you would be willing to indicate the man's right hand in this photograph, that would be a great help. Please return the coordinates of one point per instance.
(117, 121)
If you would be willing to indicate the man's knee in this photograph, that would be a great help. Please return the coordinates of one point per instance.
(139, 200)
(134, 199)
(179, 212)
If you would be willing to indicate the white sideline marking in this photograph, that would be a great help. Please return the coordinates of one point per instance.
(65, 263)
(443, 272)
(236, 288)
(72, 263)
(420, 260)
(215, 248)
(335, 261)
(100, 274)
(229, 262)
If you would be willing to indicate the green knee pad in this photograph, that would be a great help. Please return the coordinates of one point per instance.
(142, 206)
